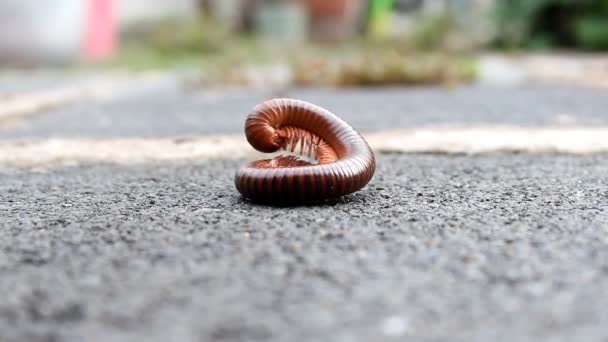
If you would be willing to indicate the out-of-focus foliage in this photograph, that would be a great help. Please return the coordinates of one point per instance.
(553, 23)
(354, 64)
(173, 42)
(432, 31)
(229, 59)
(236, 59)
(376, 68)
(592, 31)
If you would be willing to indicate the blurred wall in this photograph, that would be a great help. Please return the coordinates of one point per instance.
(32, 31)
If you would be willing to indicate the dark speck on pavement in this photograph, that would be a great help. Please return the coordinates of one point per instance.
(501, 247)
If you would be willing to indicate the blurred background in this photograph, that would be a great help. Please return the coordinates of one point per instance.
(303, 42)
(487, 216)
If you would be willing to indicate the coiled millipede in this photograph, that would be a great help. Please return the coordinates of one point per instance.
(343, 161)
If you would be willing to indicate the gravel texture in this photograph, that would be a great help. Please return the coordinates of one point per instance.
(172, 111)
(500, 247)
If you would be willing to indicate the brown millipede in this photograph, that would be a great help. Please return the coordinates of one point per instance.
(344, 161)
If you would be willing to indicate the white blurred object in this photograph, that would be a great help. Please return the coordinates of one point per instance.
(64, 31)
(32, 31)
(500, 71)
(135, 11)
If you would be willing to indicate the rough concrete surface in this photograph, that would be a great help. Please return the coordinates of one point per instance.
(499, 247)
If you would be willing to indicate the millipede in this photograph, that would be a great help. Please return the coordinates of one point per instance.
(333, 158)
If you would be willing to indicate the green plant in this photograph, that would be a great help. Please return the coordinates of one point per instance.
(377, 67)
(552, 23)
(515, 20)
(592, 32)
(431, 31)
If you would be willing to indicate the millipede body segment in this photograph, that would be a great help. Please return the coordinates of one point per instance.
(343, 161)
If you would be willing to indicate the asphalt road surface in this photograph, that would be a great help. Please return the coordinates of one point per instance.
(497, 247)
(172, 111)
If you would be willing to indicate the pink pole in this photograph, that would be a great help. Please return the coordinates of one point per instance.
(100, 29)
